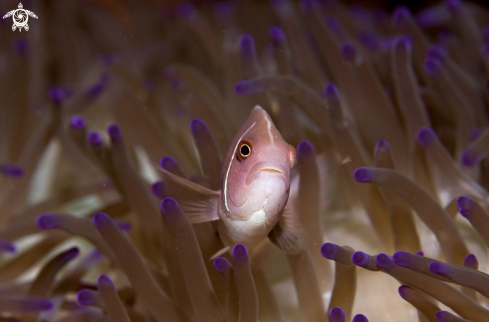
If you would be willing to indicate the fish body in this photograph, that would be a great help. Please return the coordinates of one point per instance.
(254, 184)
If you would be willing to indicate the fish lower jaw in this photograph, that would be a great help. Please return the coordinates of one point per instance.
(247, 232)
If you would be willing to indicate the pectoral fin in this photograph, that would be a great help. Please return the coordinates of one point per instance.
(197, 202)
(288, 233)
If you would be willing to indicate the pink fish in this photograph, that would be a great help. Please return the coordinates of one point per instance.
(254, 187)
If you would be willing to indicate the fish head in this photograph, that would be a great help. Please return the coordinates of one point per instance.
(256, 172)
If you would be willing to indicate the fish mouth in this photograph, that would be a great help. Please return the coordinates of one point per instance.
(264, 168)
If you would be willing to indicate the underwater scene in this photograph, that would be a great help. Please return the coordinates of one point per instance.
(244, 160)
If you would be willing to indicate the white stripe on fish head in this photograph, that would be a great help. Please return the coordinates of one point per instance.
(229, 168)
(269, 124)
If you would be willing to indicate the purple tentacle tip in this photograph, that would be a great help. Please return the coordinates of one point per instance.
(168, 73)
(94, 138)
(471, 261)
(123, 225)
(329, 250)
(349, 51)
(45, 221)
(428, 18)
(57, 94)
(485, 32)
(400, 15)
(107, 59)
(470, 158)
(445, 316)
(401, 258)
(240, 87)
(240, 252)
(432, 66)
(36, 305)
(277, 35)
(224, 9)
(359, 258)
(158, 189)
(84, 297)
(277, 2)
(363, 174)
(307, 5)
(11, 170)
(185, 10)
(368, 39)
(222, 265)
(453, 5)
(403, 42)
(382, 145)
(445, 34)
(104, 280)
(7, 247)
(167, 162)
(437, 52)
(426, 137)
(176, 83)
(438, 268)
(70, 254)
(169, 206)
(305, 149)
(465, 205)
(384, 261)
(331, 91)
(247, 87)
(114, 132)
(333, 24)
(198, 126)
(96, 89)
(419, 253)
(100, 219)
(359, 318)
(402, 290)
(485, 49)
(246, 43)
(337, 315)
(77, 122)
(475, 133)
(359, 13)
(44, 305)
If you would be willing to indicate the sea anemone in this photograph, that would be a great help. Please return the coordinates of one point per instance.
(388, 113)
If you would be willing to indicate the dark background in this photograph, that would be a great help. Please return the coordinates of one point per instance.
(414, 5)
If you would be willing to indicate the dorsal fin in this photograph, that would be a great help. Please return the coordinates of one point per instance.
(197, 202)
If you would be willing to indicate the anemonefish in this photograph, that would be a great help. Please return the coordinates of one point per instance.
(254, 188)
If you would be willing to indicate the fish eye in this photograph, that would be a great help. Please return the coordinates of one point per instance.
(244, 151)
